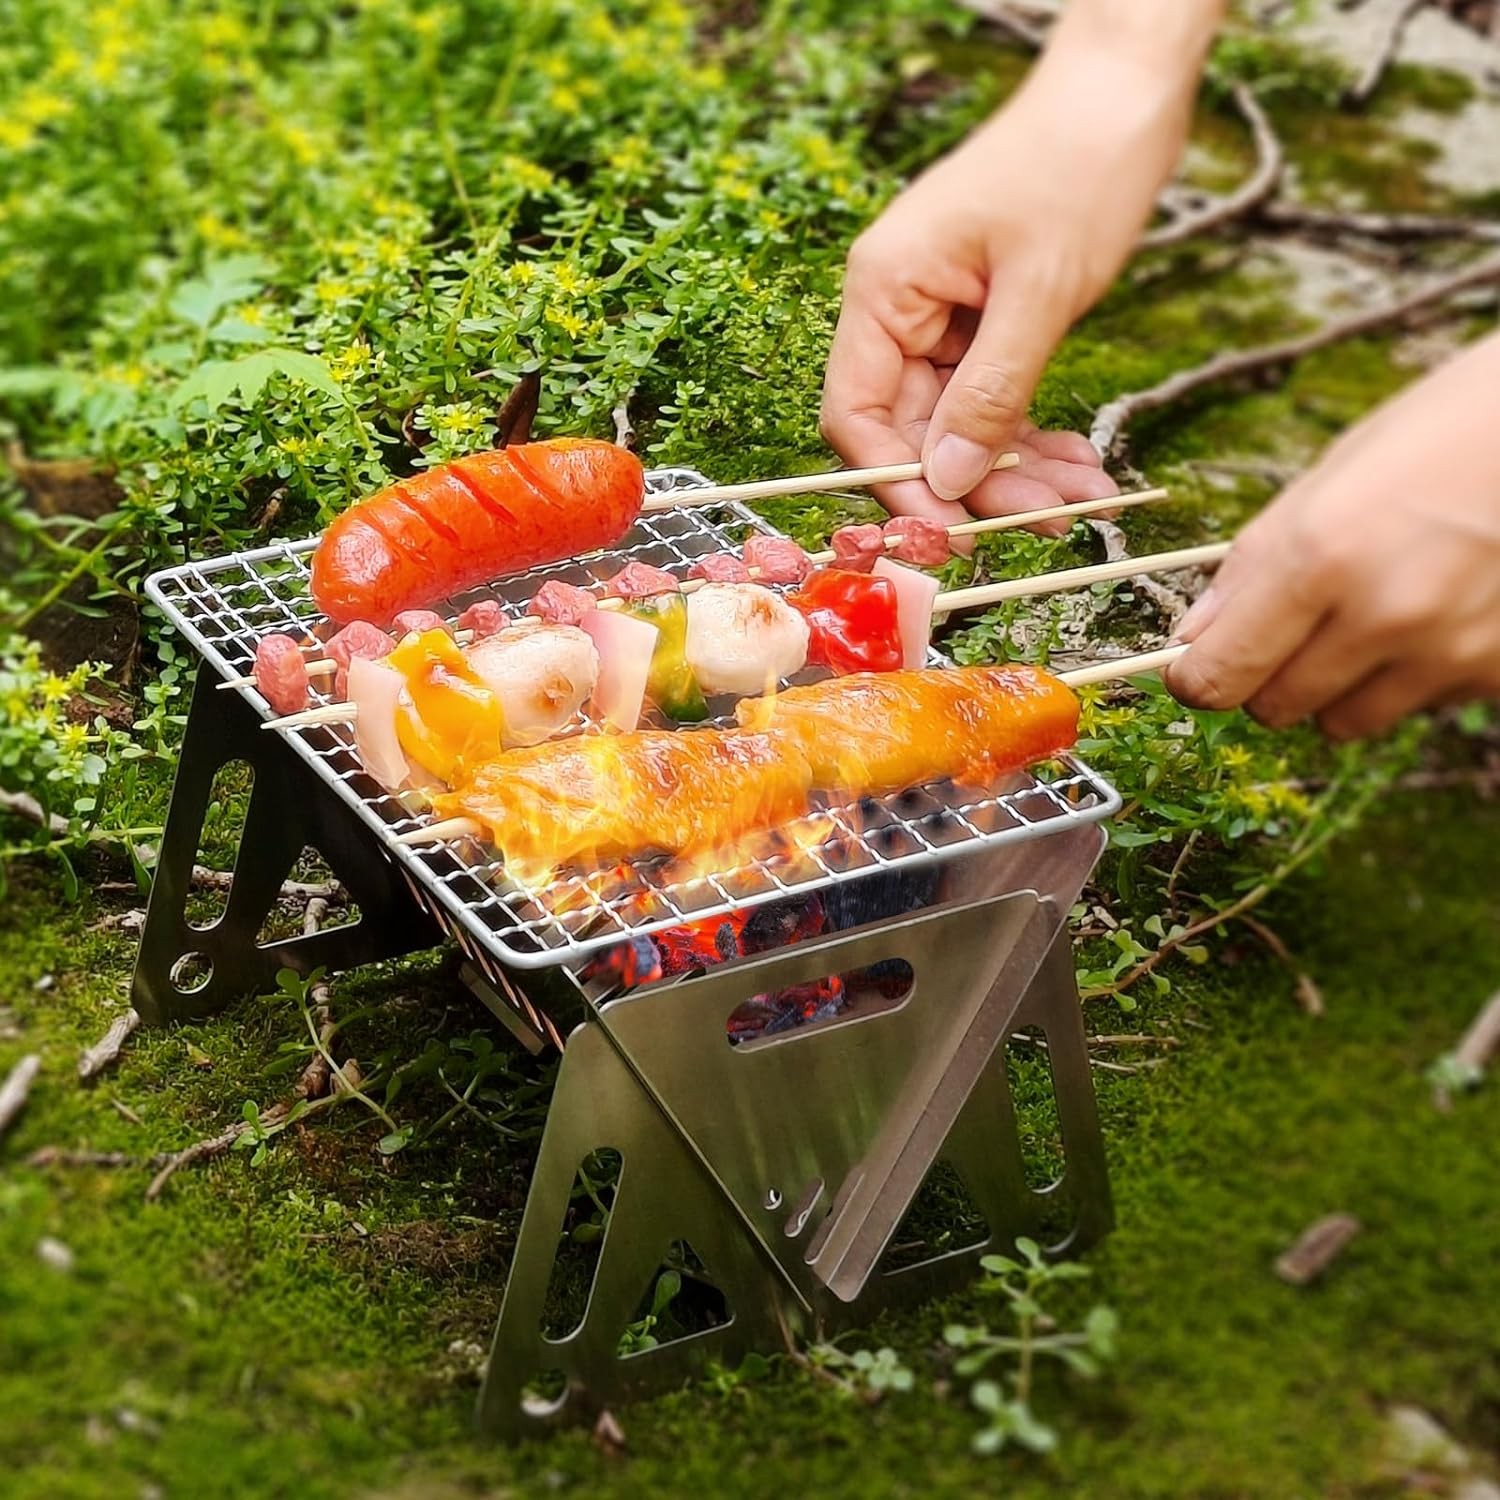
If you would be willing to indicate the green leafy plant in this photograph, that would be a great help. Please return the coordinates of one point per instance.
(1006, 1401)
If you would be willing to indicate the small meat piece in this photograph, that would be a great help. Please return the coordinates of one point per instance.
(358, 640)
(560, 603)
(720, 567)
(776, 559)
(855, 548)
(920, 540)
(485, 618)
(639, 580)
(281, 674)
(420, 621)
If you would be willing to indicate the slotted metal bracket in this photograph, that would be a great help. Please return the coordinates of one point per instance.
(789, 1165)
(290, 810)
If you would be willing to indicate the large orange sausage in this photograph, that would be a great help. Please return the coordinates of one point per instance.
(450, 528)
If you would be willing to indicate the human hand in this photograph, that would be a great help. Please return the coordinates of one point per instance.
(1370, 589)
(957, 295)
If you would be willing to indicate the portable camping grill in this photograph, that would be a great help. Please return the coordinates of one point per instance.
(914, 934)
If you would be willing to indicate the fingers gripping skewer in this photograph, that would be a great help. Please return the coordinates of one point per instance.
(800, 484)
(324, 667)
(1119, 669)
(943, 604)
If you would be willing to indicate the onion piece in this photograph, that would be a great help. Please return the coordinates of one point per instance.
(914, 595)
(625, 646)
(375, 690)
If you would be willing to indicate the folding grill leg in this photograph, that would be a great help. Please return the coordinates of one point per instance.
(290, 809)
(663, 1195)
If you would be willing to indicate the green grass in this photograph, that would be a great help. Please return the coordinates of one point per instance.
(270, 1343)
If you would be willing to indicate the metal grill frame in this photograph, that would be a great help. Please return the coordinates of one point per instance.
(223, 606)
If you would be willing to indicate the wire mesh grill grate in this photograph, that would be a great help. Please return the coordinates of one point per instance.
(223, 607)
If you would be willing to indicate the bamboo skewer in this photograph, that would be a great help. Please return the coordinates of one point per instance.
(797, 484)
(1120, 668)
(943, 604)
(322, 667)
(1077, 578)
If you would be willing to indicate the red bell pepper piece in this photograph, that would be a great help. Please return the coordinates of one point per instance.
(853, 620)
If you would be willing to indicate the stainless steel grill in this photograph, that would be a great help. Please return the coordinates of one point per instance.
(223, 607)
(788, 1167)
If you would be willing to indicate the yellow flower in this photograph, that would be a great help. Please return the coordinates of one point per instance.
(770, 219)
(630, 156)
(332, 289)
(1234, 758)
(294, 447)
(132, 375)
(300, 142)
(600, 29)
(565, 100)
(570, 279)
(253, 313)
(523, 273)
(571, 323)
(214, 231)
(65, 62)
(347, 361)
(73, 738)
(526, 175)
(735, 188)
(390, 252)
(223, 30)
(36, 106)
(53, 688)
(16, 136)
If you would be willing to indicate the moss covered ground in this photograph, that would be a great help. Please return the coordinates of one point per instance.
(286, 1329)
(307, 1324)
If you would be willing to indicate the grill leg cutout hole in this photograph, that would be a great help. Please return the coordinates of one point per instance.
(192, 973)
(1029, 1067)
(834, 1000)
(680, 1301)
(284, 920)
(583, 1228)
(943, 1217)
(219, 841)
(545, 1393)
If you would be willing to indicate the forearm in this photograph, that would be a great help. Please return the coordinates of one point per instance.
(1118, 78)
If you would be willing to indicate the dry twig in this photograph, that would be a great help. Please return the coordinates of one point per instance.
(1309, 996)
(14, 1091)
(1316, 1248)
(1259, 186)
(624, 428)
(1363, 88)
(107, 1049)
(1114, 417)
(1332, 223)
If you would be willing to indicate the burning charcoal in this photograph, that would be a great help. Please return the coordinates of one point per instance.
(629, 965)
(880, 895)
(780, 923)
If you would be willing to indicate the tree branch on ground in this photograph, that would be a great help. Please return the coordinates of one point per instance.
(322, 1082)
(1112, 419)
(1360, 92)
(1009, 19)
(1334, 224)
(1258, 187)
(624, 428)
(108, 1048)
(16, 1089)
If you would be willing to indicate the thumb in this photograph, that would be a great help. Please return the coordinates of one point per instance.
(984, 404)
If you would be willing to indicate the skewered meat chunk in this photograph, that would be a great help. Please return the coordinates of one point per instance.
(920, 540)
(419, 621)
(855, 548)
(776, 559)
(720, 567)
(281, 673)
(639, 580)
(561, 603)
(878, 733)
(358, 640)
(483, 617)
(454, 527)
(597, 798)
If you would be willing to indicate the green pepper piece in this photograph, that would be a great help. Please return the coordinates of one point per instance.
(672, 685)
